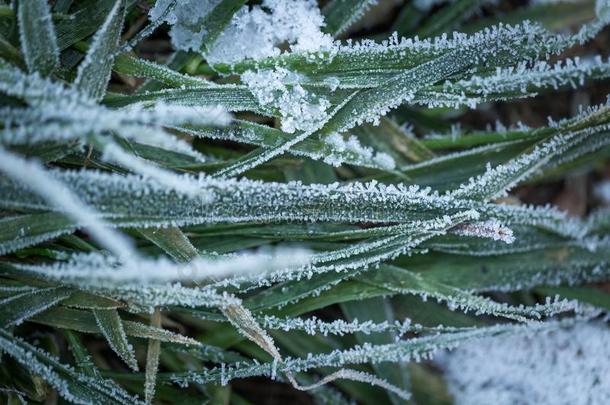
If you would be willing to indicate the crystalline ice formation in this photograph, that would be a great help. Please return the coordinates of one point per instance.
(254, 32)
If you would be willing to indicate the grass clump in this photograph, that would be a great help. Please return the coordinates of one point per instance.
(199, 196)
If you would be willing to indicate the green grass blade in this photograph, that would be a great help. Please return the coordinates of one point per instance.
(111, 326)
(85, 20)
(21, 307)
(172, 241)
(37, 34)
(152, 360)
(70, 384)
(28, 230)
(93, 75)
(85, 322)
(448, 18)
(339, 15)
(80, 353)
(217, 19)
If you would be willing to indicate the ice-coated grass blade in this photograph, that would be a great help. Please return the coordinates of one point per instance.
(37, 35)
(69, 383)
(111, 326)
(339, 15)
(21, 307)
(152, 360)
(94, 71)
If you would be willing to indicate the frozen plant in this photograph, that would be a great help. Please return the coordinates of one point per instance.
(321, 194)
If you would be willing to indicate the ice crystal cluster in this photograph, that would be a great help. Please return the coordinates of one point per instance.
(299, 109)
(252, 33)
(320, 194)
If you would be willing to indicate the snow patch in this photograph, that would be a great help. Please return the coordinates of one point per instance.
(565, 366)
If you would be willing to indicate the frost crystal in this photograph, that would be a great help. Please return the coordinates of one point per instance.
(299, 109)
(490, 229)
(352, 145)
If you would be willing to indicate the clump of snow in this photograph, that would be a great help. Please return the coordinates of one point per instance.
(253, 32)
(565, 366)
(299, 109)
(258, 32)
(186, 18)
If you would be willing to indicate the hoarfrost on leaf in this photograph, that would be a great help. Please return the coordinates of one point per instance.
(362, 153)
(94, 269)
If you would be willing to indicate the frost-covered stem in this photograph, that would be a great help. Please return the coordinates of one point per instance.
(152, 359)
(247, 325)
(114, 153)
(352, 375)
(415, 349)
(314, 326)
(59, 195)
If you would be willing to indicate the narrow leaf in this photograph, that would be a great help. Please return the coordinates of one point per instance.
(111, 326)
(69, 383)
(173, 242)
(94, 71)
(79, 351)
(18, 308)
(152, 359)
(38, 40)
(84, 321)
(339, 15)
